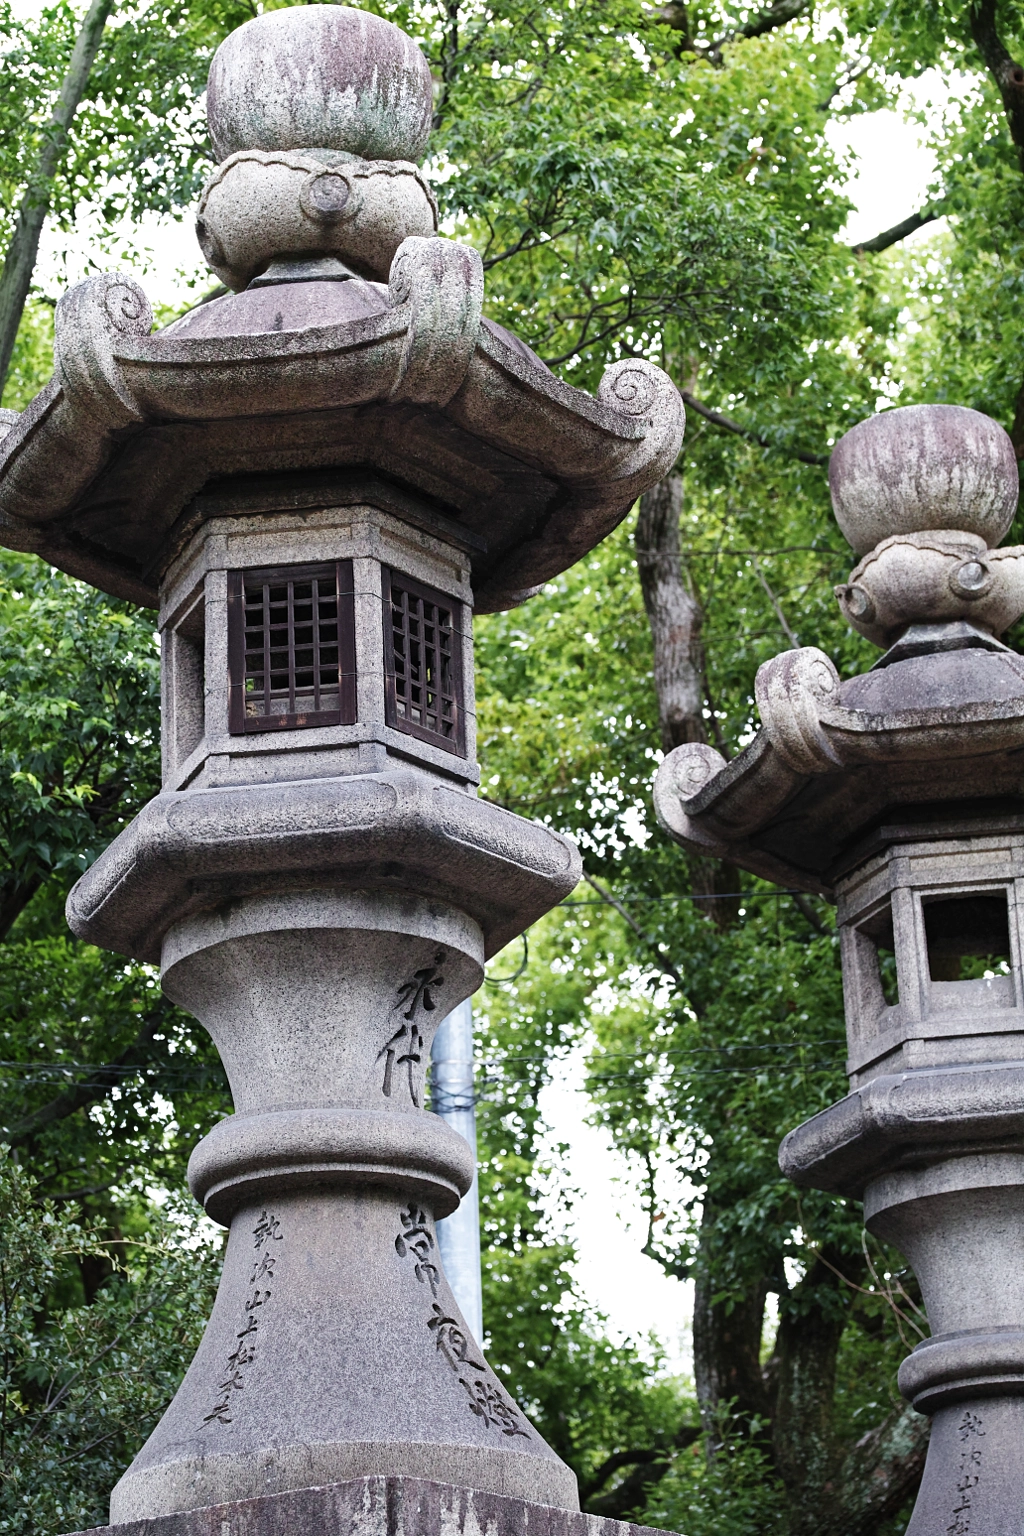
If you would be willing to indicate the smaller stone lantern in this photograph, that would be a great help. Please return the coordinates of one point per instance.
(899, 793)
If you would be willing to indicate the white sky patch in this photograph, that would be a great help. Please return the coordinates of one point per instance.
(609, 1226)
(892, 165)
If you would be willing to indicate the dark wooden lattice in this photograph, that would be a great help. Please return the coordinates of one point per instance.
(291, 648)
(423, 663)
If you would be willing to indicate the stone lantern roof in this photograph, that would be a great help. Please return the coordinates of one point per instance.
(351, 345)
(921, 492)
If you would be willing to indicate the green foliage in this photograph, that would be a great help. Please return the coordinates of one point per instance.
(84, 1379)
(79, 722)
(79, 757)
(736, 1493)
(32, 361)
(589, 1397)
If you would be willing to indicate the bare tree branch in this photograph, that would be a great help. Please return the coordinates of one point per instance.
(613, 901)
(899, 231)
(727, 424)
(794, 643)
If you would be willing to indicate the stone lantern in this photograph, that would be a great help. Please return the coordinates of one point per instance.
(316, 479)
(899, 794)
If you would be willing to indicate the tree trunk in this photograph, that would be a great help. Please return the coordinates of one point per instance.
(726, 1345)
(803, 1368)
(673, 613)
(875, 1479)
(1009, 78)
(676, 618)
(19, 265)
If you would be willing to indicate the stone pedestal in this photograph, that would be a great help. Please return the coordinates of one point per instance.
(379, 1506)
(335, 1348)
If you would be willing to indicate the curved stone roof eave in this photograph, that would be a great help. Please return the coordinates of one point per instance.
(426, 354)
(855, 764)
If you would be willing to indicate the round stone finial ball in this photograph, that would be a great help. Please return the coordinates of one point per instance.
(920, 469)
(320, 77)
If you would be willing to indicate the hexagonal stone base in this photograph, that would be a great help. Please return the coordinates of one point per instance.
(377, 1506)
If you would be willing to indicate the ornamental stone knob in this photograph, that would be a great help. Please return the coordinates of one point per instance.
(320, 77)
(922, 493)
(920, 469)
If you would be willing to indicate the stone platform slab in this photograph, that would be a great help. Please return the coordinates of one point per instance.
(377, 1506)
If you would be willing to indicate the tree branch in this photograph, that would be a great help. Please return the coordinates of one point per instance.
(1005, 71)
(663, 964)
(35, 203)
(794, 643)
(898, 232)
(100, 1085)
(728, 425)
(803, 905)
(771, 18)
(675, 14)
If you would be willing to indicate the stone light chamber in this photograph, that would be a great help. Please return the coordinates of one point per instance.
(899, 794)
(316, 479)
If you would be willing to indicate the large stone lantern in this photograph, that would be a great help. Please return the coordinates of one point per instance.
(899, 793)
(316, 479)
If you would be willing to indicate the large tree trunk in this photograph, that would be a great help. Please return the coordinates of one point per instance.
(676, 620)
(726, 1345)
(834, 1490)
(19, 265)
(803, 1368)
(673, 613)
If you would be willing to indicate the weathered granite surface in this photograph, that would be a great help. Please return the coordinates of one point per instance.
(379, 1506)
(899, 793)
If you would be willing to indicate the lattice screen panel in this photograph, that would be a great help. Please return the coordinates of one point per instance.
(291, 648)
(423, 662)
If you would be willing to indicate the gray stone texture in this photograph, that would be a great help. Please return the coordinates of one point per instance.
(358, 1363)
(897, 794)
(380, 1506)
(319, 894)
(920, 468)
(320, 76)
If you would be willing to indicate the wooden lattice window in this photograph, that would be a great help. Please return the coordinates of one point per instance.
(291, 648)
(423, 663)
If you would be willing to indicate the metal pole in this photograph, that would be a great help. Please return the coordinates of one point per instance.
(453, 1097)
